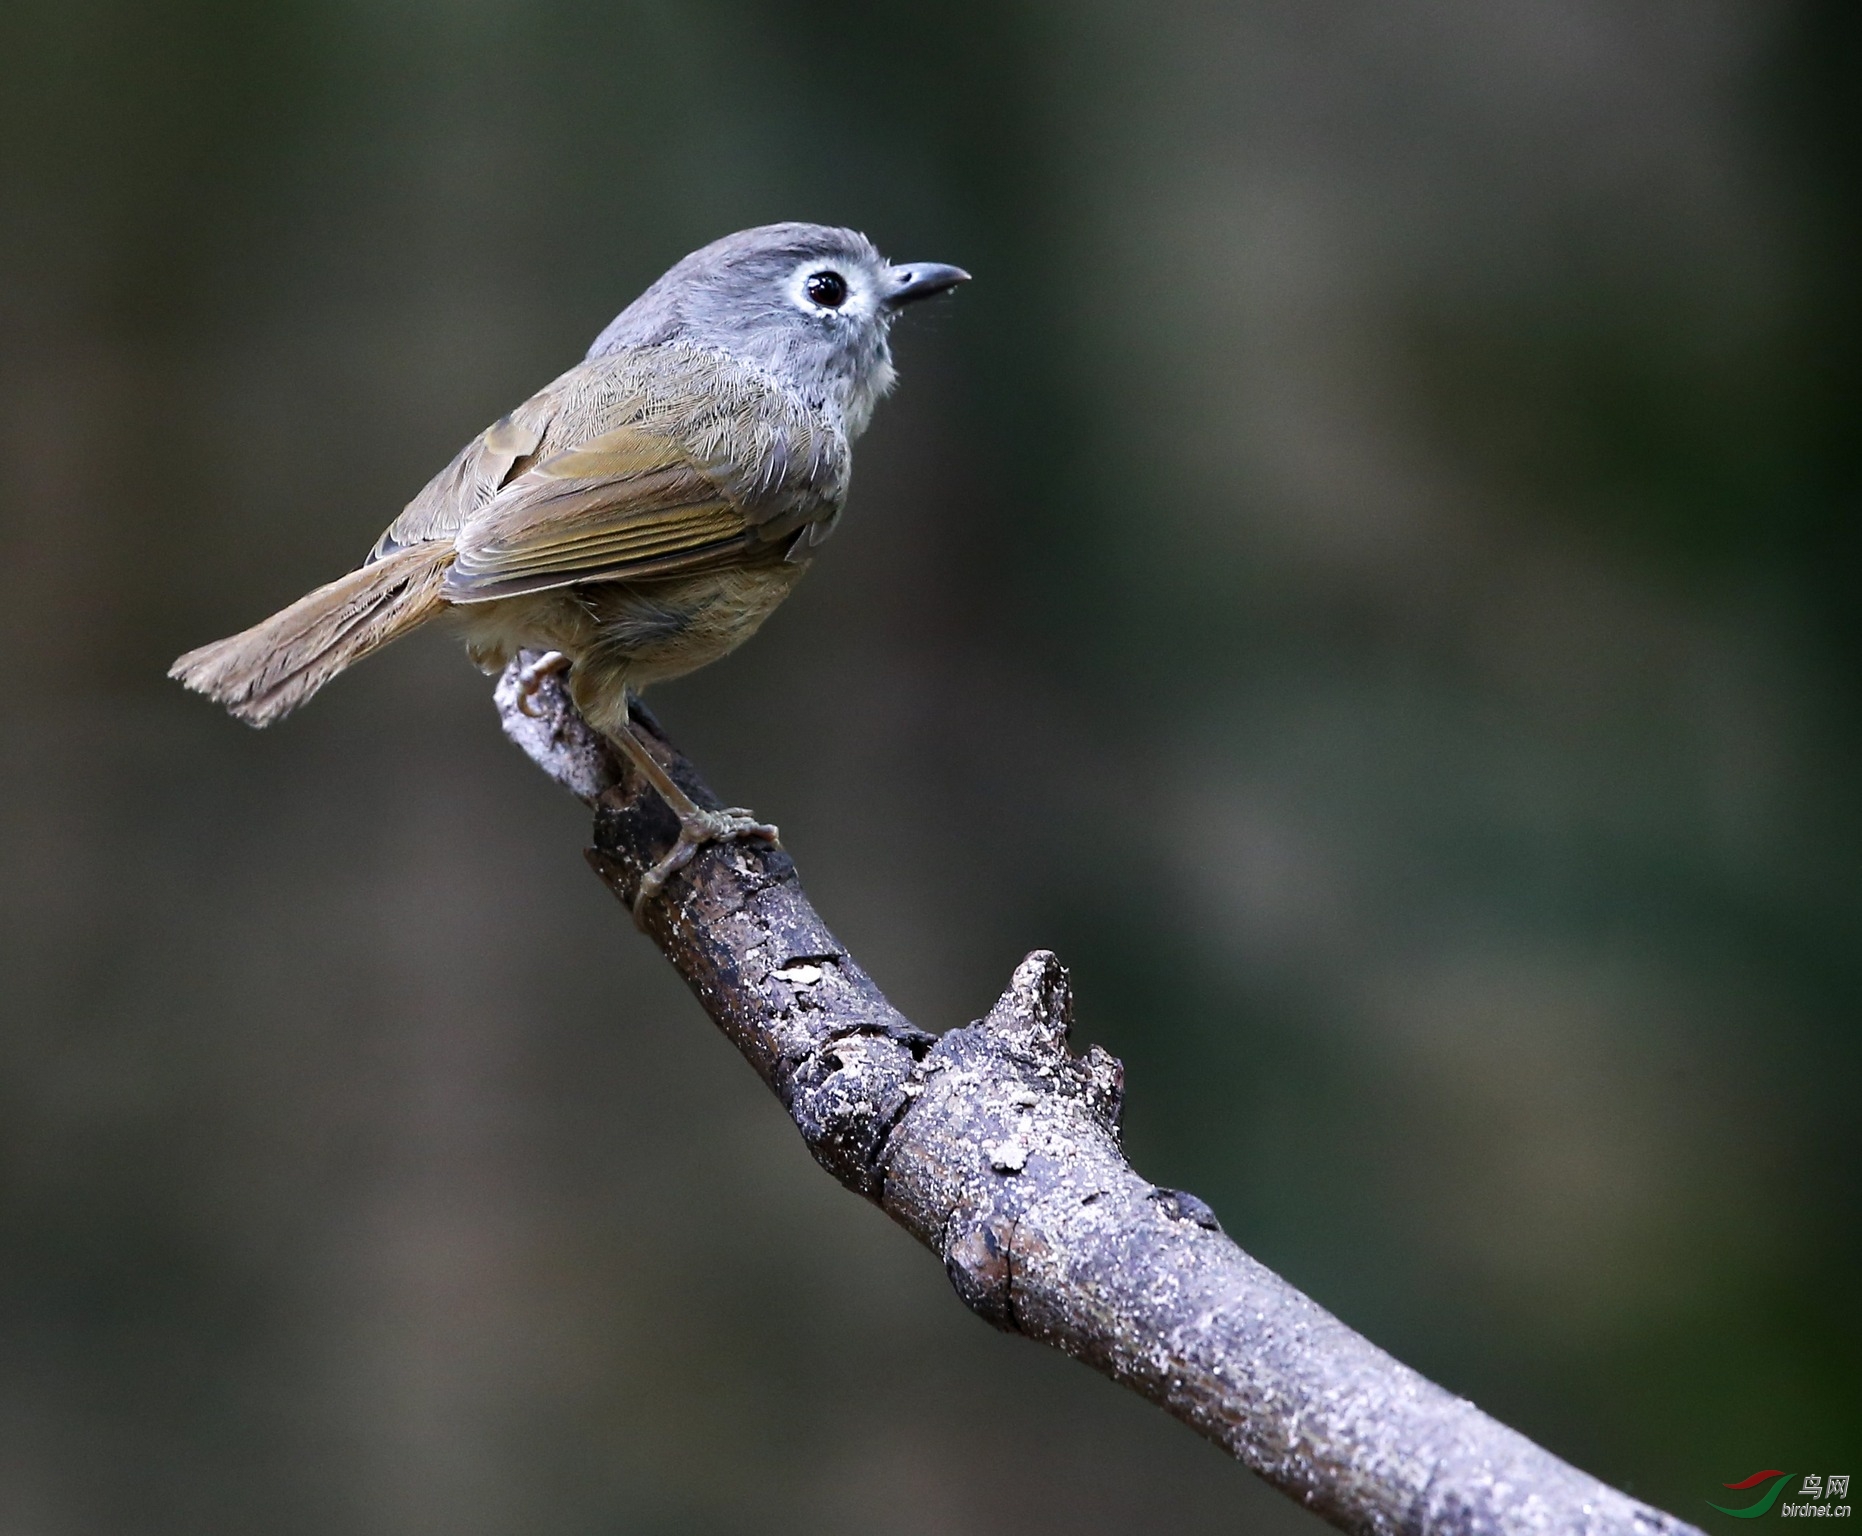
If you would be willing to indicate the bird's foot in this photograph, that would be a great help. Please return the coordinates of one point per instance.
(695, 831)
(530, 680)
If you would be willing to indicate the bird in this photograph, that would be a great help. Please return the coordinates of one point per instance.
(638, 517)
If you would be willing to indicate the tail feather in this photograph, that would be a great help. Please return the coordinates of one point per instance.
(265, 672)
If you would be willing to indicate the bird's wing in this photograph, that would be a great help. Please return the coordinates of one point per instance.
(477, 473)
(666, 461)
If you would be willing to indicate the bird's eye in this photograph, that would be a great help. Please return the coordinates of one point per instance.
(828, 289)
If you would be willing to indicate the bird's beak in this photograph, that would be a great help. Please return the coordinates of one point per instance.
(913, 280)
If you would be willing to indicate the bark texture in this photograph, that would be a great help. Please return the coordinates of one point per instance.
(997, 1147)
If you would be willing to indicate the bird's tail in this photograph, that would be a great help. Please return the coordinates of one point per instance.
(265, 672)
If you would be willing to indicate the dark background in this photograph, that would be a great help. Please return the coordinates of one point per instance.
(1368, 572)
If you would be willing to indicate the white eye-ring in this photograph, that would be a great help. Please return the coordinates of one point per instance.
(823, 288)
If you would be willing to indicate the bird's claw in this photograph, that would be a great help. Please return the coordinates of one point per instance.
(530, 680)
(733, 825)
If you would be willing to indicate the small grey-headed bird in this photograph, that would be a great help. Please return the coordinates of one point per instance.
(640, 516)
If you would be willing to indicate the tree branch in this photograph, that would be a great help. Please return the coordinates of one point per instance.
(997, 1148)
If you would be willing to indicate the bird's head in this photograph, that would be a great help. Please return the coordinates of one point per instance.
(810, 304)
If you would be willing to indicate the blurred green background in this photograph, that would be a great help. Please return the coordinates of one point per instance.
(1368, 572)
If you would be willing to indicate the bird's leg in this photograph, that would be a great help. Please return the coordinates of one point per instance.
(697, 826)
(531, 677)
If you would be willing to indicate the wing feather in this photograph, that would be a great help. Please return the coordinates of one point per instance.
(708, 464)
(477, 473)
(643, 462)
